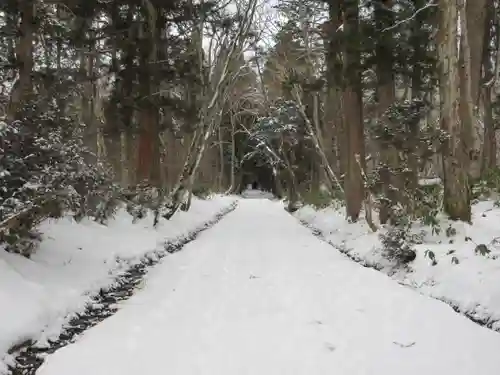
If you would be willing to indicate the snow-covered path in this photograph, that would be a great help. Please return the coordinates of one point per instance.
(259, 294)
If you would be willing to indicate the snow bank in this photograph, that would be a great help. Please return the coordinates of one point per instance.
(465, 279)
(75, 260)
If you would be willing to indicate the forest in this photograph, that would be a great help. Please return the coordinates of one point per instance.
(149, 102)
(249, 187)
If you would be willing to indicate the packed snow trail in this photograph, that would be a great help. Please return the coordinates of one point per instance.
(259, 295)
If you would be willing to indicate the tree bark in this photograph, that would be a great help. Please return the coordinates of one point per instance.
(419, 45)
(23, 88)
(386, 96)
(476, 17)
(489, 151)
(148, 164)
(472, 19)
(87, 70)
(353, 111)
(489, 154)
(334, 131)
(293, 196)
(456, 189)
(120, 111)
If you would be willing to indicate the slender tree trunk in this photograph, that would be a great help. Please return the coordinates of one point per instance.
(315, 137)
(476, 17)
(472, 20)
(145, 147)
(124, 158)
(334, 130)
(456, 189)
(293, 196)
(220, 184)
(386, 95)
(148, 164)
(489, 155)
(232, 181)
(87, 70)
(384, 54)
(22, 91)
(418, 43)
(353, 111)
(489, 151)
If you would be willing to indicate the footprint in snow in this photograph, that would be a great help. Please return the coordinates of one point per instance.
(409, 345)
(330, 347)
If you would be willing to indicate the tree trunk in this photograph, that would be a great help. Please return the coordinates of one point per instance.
(87, 71)
(476, 17)
(386, 95)
(456, 186)
(472, 23)
(489, 154)
(23, 88)
(148, 164)
(232, 178)
(315, 136)
(293, 196)
(353, 111)
(419, 45)
(124, 157)
(145, 150)
(489, 151)
(215, 91)
(334, 131)
(220, 182)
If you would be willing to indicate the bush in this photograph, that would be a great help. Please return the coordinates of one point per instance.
(45, 171)
(143, 198)
(488, 186)
(398, 245)
(398, 242)
(319, 199)
(202, 191)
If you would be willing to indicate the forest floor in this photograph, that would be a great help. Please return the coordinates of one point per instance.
(259, 294)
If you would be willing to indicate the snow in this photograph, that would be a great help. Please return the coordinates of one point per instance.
(471, 284)
(259, 294)
(74, 260)
(430, 181)
(256, 194)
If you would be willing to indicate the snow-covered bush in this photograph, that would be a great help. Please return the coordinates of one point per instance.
(428, 202)
(45, 171)
(399, 240)
(488, 187)
(398, 245)
(401, 135)
(321, 198)
(202, 191)
(142, 199)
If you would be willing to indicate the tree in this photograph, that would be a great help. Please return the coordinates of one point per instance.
(333, 109)
(456, 184)
(230, 48)
(490, 52)
(352, 107)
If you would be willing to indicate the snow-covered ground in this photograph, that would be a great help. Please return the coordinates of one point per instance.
(466, 279)
(75, 260)
(259, 294)
(256, 194)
